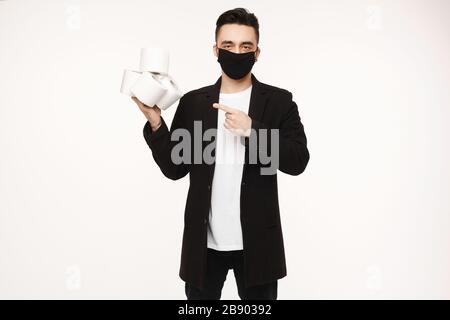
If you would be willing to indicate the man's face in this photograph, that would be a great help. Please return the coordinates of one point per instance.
(236, 38)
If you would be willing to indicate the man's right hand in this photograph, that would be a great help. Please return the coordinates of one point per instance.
(153, 114)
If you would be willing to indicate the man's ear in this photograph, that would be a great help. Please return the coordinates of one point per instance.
(215, 50)
(258, 51)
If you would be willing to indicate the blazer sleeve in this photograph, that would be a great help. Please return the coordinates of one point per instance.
(293, 151)
(161, 145)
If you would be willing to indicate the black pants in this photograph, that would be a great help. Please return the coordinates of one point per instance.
(218, 264)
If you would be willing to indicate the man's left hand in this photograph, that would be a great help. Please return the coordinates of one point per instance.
(236, 120)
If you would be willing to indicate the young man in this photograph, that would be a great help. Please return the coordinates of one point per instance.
(232, 219)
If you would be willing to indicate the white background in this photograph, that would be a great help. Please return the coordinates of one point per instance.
(86, 213)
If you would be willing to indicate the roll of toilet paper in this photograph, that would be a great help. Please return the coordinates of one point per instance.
(172, 94)
(129, 78)
(154, 60)
(148, 89)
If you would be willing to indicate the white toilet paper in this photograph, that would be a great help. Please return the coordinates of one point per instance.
(148, 89)
(129, 78)
(173, 92)
(154, 60)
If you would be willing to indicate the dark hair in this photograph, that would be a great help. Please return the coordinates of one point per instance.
(238, 16)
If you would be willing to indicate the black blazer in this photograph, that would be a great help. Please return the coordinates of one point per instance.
(270, 107)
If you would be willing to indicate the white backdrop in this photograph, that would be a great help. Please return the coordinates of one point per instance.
(86, 213)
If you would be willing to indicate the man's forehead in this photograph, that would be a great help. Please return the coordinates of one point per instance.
(236, 33)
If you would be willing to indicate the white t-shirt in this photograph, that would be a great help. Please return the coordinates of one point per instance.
(224, 229)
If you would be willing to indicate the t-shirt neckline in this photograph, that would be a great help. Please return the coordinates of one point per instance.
(238, 92)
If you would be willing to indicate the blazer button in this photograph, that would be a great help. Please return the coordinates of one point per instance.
(243, 183)
(209, 187)
(205, 221)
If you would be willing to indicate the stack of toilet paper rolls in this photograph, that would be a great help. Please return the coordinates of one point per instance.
(152, 84)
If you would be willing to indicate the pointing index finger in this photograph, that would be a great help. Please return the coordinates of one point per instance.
(224, 108)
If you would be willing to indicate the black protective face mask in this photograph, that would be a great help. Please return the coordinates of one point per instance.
(236, 65)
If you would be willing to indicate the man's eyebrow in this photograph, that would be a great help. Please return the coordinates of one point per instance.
(231, 42)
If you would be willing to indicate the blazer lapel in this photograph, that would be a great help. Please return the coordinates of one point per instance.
(258, 100)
